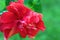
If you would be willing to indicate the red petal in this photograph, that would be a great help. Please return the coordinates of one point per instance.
(10, 32)
(6, 33)
(32, 32)
(34, 19)
(22, 32)
(7, 26)
(40, 25)
(19, 9)
(13, 9)
(13, 32)
(36, 16)
(27, 19)
(8, 17)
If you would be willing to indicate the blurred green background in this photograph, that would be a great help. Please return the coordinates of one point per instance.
(51, 17)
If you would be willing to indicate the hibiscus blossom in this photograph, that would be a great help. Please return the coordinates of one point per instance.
(20, 19)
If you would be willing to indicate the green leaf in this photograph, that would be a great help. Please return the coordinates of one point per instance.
(2, 5)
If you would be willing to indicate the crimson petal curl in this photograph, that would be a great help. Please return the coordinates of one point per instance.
(5, 26)
(18, 9)
(8, 29)
(6, 33)
(7, 17)
(22, 32)
(40, 25)
(9, 32)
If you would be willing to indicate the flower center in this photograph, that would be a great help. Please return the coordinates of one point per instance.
(21, 24)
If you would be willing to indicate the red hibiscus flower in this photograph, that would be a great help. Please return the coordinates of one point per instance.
(20, 19)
